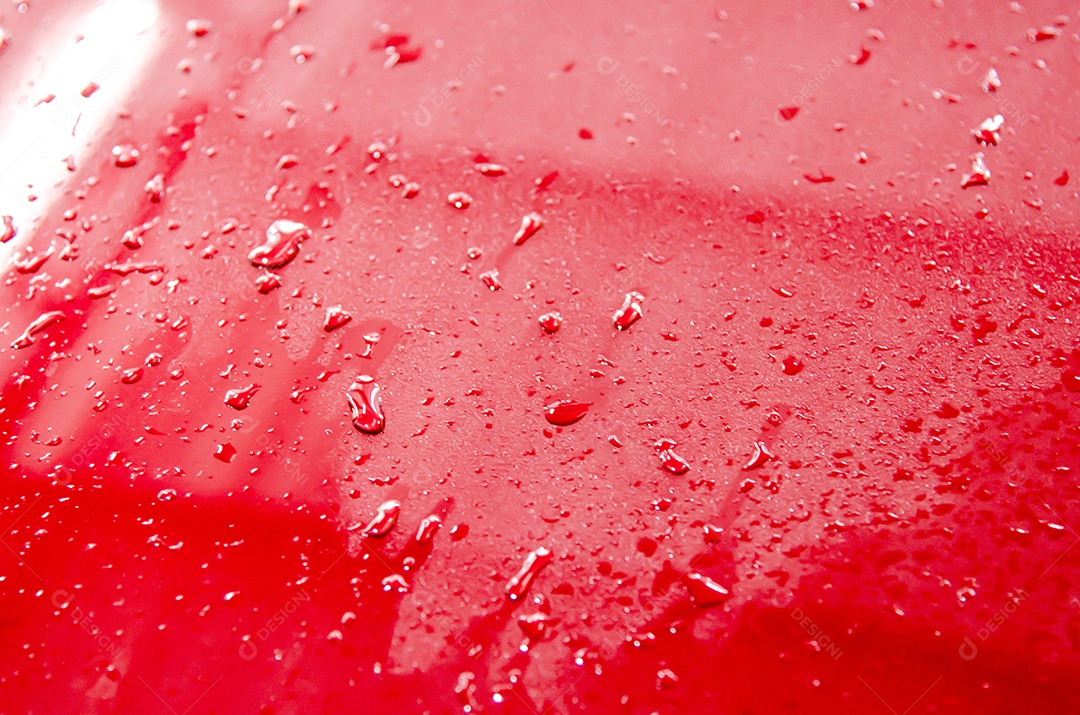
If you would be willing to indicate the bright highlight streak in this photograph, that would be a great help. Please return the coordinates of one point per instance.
(37, 137)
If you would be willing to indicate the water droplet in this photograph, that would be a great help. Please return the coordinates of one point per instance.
(669, 460)
(39, 324)
(535, 625)
(459, 200)
(630, 312)
(199, 28)
(336, 316)
(862, 57)
(1046, 32)
(8, 230)
(301, 53)
(267, 282)
(166, 495)
(563, 413)
(385, 519)
(491, 169)
(532, 223)
(534, 563)
(551, 322)
(989, 132)
(283, 239)
(239, 398)
(546, 180)
(225, 452)
(130, 377)
(585, 134)
(792, 365)
(155, 188)
(425, 533)
(365, 401)
(125, 155)
(760, 457)
(1060, 181)
(991, 82)
(491, 279)
(788, 113)
(979, 176)
(705, 592)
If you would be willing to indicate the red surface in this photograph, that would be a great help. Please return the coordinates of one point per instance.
(817, 287)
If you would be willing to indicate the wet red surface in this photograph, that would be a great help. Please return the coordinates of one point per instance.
(817, 436)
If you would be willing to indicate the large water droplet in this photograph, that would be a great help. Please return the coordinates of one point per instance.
(365, 402)
(565, 412)
(532, 223)
(425, 533)
(336, 316)
(705, 592)
(630, 312)
(283, 239)
(239, 398)
(534, 563)
(551, 322)
(36, 326)
(760, 457)
(384, 519)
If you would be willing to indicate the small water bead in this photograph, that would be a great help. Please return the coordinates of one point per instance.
(125, 155)
(365, 402)
(155, 188)
(199, 28)
(459, 200)
(267, 282)
(979, 175)
(7, 228)
(131, 376)
(336, 316)
(491, 279)
(534, 563)
(301, 53)
(492, 170)
(563, 413)
(535, 626)
(989, 132)
(990, 82)
(39, 324)
(282, 244)
(239, 398)
(630, 311)
(551, 322)
(530, 224)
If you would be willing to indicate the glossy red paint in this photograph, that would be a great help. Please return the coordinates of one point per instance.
(868, 372)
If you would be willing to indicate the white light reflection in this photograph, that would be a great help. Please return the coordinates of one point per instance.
(36, 137)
